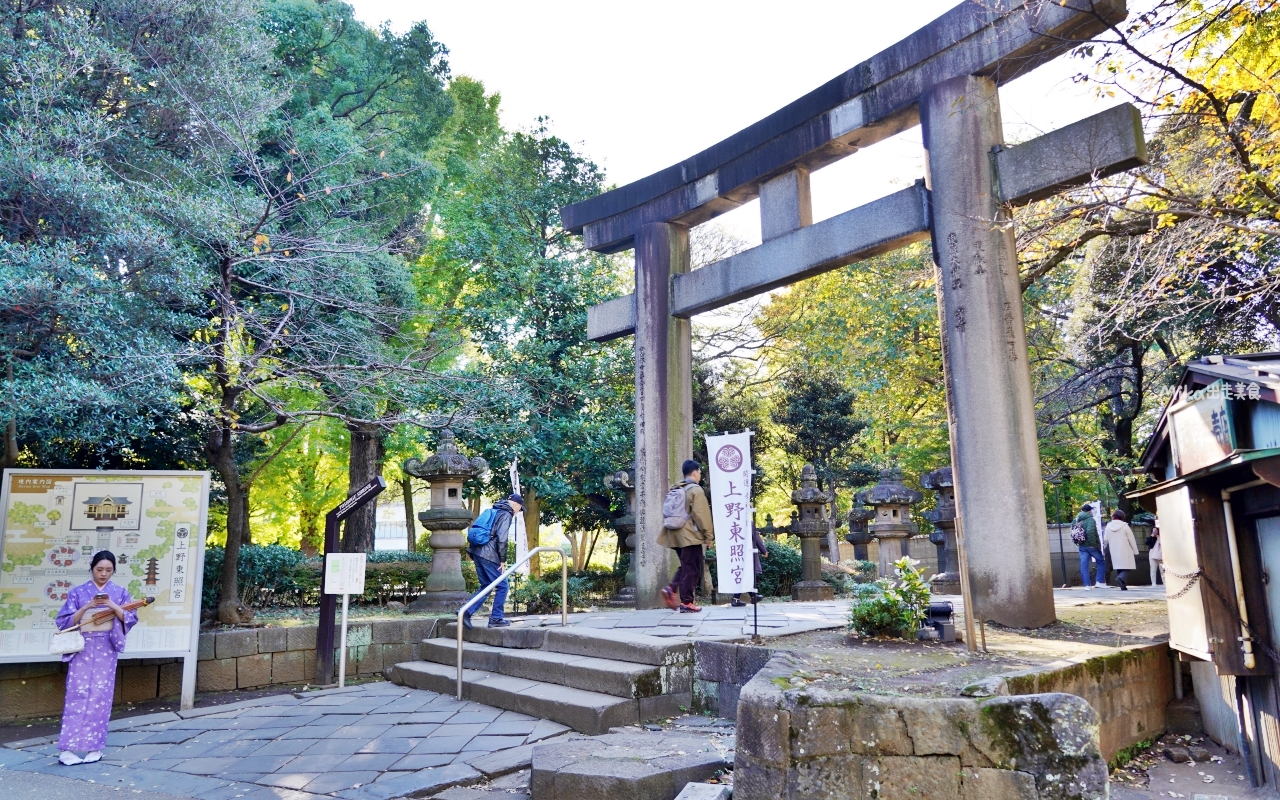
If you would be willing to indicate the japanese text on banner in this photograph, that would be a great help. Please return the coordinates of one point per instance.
(731, 512)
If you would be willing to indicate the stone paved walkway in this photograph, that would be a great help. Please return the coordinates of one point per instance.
(377, 741)
(785, 619)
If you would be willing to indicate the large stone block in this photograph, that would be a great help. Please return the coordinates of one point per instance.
(41, 669)
(876, 726)
(938, 727)
(397, 653)
(706, 696)
(206, 649)
(419, 629)
(358, 635)
(253, 671)
(715, 661)
(170, 684)
(389, 631)
(369, 660)
(820, 731)
(911, 778)
(309, 665)
(287, 667)
(764, 733)
(302, 637)
(828, 778)
(1051, 736)
(273, 640)
(233, 644)
(749, 661)
(633, 766)
(218, 675)
(977, 783)
(37, 697)
(139, 682)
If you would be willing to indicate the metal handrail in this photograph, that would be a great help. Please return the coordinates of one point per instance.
(564, 596)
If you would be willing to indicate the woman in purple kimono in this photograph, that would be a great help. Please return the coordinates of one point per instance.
(91, 673)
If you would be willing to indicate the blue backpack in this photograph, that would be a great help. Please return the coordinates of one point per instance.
(481, 531)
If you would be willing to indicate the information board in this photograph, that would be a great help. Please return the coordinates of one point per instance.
(55, 520)
(344, 573)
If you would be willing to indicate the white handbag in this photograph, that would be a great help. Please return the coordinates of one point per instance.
(68, 641)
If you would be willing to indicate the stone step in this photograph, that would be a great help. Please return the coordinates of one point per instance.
(618, 645)
(518, 636)
(607, 676)
(588, 712)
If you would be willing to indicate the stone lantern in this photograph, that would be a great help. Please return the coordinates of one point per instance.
(625, 525)
(892, 526)
(811, 525)
(859, 536)
(943, 517)
(447, 521)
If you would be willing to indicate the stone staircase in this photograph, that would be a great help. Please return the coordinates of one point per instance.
(591, 680)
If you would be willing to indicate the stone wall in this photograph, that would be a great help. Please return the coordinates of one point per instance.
(720, 670)
(246, 658)
(795, 742)
(1130, 690)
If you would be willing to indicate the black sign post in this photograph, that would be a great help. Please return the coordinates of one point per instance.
(329, 602)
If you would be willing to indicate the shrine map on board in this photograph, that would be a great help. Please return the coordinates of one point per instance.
(54, 521)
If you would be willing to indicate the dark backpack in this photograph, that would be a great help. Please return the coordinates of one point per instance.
(1078, 533)
(481, 531)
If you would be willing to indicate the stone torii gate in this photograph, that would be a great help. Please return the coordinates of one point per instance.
(943, 77)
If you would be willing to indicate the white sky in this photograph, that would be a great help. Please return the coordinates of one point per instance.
(638, 86)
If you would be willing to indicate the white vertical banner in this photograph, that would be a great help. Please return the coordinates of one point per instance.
(730, 474)
(517, 522)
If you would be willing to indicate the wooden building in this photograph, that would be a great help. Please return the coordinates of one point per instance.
(1214, 458)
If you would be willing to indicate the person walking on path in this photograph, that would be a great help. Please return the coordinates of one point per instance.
(686, 528)
(1122, 547)
(761, 552)
(1090, 549)
(1155, 554)
(491, 557)
(91, 673)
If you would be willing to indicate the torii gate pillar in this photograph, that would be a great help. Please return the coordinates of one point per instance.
(994, 451)
(664, 397)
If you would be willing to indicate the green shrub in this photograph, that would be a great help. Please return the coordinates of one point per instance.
(542, 596)
(268, 575)
(778, 571)
(865, 571)
(892, 609)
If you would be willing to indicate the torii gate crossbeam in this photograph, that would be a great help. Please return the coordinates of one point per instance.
(944, 77)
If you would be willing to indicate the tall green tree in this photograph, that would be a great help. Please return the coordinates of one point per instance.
(566, 415)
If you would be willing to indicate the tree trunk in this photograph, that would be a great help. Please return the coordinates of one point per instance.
(220, 450)
(411, 524)
(833, 541)
(532, 517)
(365, 463)
(9, 458)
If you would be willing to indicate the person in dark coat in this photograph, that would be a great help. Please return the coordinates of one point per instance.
(491, 557)
(761, 551)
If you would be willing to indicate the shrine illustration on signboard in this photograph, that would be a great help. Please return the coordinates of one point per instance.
(55, 520)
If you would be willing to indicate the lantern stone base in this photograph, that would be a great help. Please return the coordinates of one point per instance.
(812, 591)
(945, 583)
(438, 602)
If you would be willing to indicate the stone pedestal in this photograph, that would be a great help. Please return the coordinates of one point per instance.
(447, 521)
(892, 525)
(990, 405)
(943, 517)
(811, 525)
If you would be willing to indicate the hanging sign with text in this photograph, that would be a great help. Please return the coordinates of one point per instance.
(730, 473)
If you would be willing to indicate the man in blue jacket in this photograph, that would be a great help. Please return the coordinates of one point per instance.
(490, 559)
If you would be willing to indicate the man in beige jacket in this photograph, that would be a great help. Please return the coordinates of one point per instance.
(688, 538)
